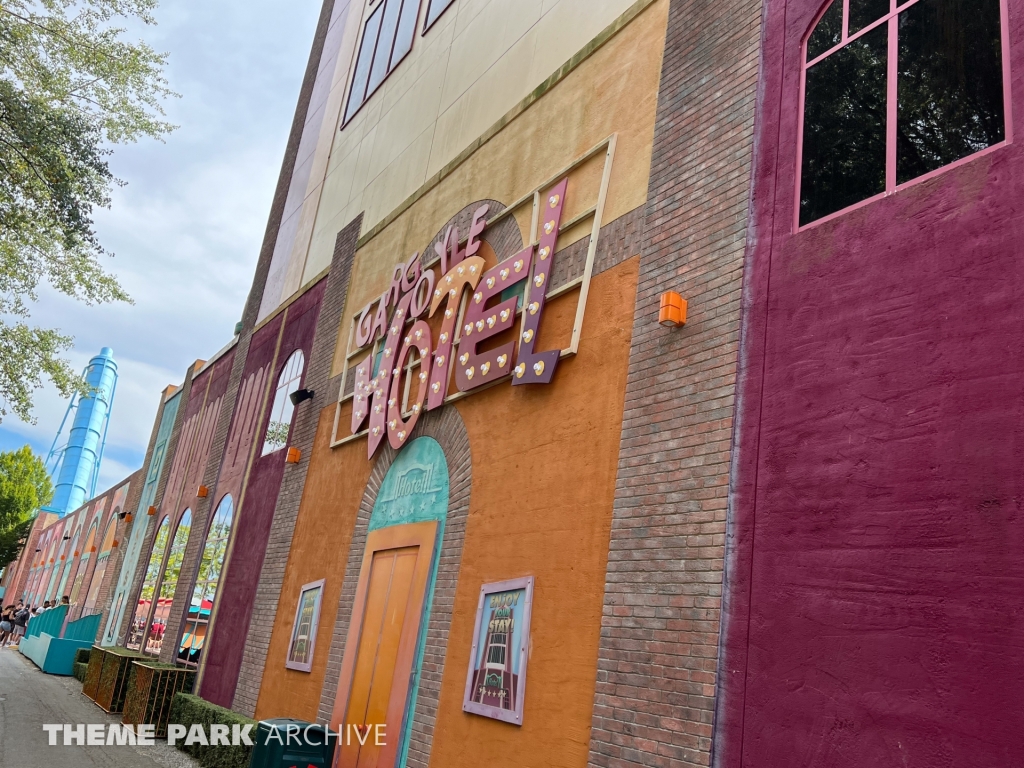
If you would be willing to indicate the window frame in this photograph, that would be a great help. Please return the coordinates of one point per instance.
(314, 627)
(429, 25)
(896, 7)
(164, 519)
(371, 9)
(161, 581)
(279, 383)
(65, 571)
(83, 562)
(102, 559)
(227, 497)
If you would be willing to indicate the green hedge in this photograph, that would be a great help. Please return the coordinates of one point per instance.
(80, 670)
(82, 655)
(187, 709)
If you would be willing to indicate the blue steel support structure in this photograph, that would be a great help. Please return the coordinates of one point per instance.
(77, 464)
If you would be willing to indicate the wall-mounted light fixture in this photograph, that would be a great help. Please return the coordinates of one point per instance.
(202, 492)
(294, 454)
(672, 313)
(128, 517)
(299, 395)
(151, 511)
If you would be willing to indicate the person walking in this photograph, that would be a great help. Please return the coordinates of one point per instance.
(6, 625)
(20, 621)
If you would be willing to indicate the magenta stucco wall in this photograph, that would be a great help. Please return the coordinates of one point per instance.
(875, 583)
(255, 515)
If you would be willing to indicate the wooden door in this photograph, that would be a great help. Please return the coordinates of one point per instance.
(381, 646)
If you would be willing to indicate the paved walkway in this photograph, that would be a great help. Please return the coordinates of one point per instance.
(28, 698)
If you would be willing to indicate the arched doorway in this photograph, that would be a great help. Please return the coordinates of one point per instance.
(386, 638)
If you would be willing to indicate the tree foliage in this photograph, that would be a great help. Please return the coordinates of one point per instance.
(71, 86)
(24, 487)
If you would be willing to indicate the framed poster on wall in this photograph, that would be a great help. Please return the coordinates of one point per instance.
(496, 682)
(307, 616)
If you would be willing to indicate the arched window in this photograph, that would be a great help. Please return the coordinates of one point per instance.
(68, 563)
(137, 631)
(102, 560)
(35, 584)
(57, 566)
(83, 562)
(205, 593)
(873, 121)
(281, 411)
(169, 582)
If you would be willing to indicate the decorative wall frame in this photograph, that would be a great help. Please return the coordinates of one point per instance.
(307, 618)
(496, 679)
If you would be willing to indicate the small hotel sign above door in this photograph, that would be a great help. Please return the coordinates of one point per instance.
(410, 365)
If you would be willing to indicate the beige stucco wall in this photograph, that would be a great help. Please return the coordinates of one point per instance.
(600, 97)
(479, 60)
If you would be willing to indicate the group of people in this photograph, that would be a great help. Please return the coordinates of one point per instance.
(14, 619)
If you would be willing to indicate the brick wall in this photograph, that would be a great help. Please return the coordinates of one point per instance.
(136, 480)
(145, 519)
(654, 700)
(204, 475)
(17, 573)
(264, 615)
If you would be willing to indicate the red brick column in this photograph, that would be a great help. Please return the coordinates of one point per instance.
(657, 669)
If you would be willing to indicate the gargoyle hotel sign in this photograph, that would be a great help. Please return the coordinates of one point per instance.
(463, 292)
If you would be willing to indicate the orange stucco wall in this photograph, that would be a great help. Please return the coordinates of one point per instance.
(544, 462)
(541, 505)
(334, 486)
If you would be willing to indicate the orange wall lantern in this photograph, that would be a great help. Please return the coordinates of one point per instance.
(672, 313)
(128, 517)
(294, 454)
(203, 492)
(151, 511)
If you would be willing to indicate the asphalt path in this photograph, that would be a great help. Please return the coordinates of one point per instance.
(28, 698)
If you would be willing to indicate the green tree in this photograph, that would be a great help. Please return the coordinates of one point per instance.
(24, 487)
(71, 86)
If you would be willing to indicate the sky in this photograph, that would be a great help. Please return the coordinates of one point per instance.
(187, 228)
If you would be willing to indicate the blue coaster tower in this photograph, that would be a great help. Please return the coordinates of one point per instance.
(75, 466)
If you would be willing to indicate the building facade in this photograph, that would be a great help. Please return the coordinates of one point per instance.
(601, 166)
(457, 476)
(75, 555)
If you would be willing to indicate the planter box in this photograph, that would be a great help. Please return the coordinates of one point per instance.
(151, 688)
(91, 684)
(113, 680)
